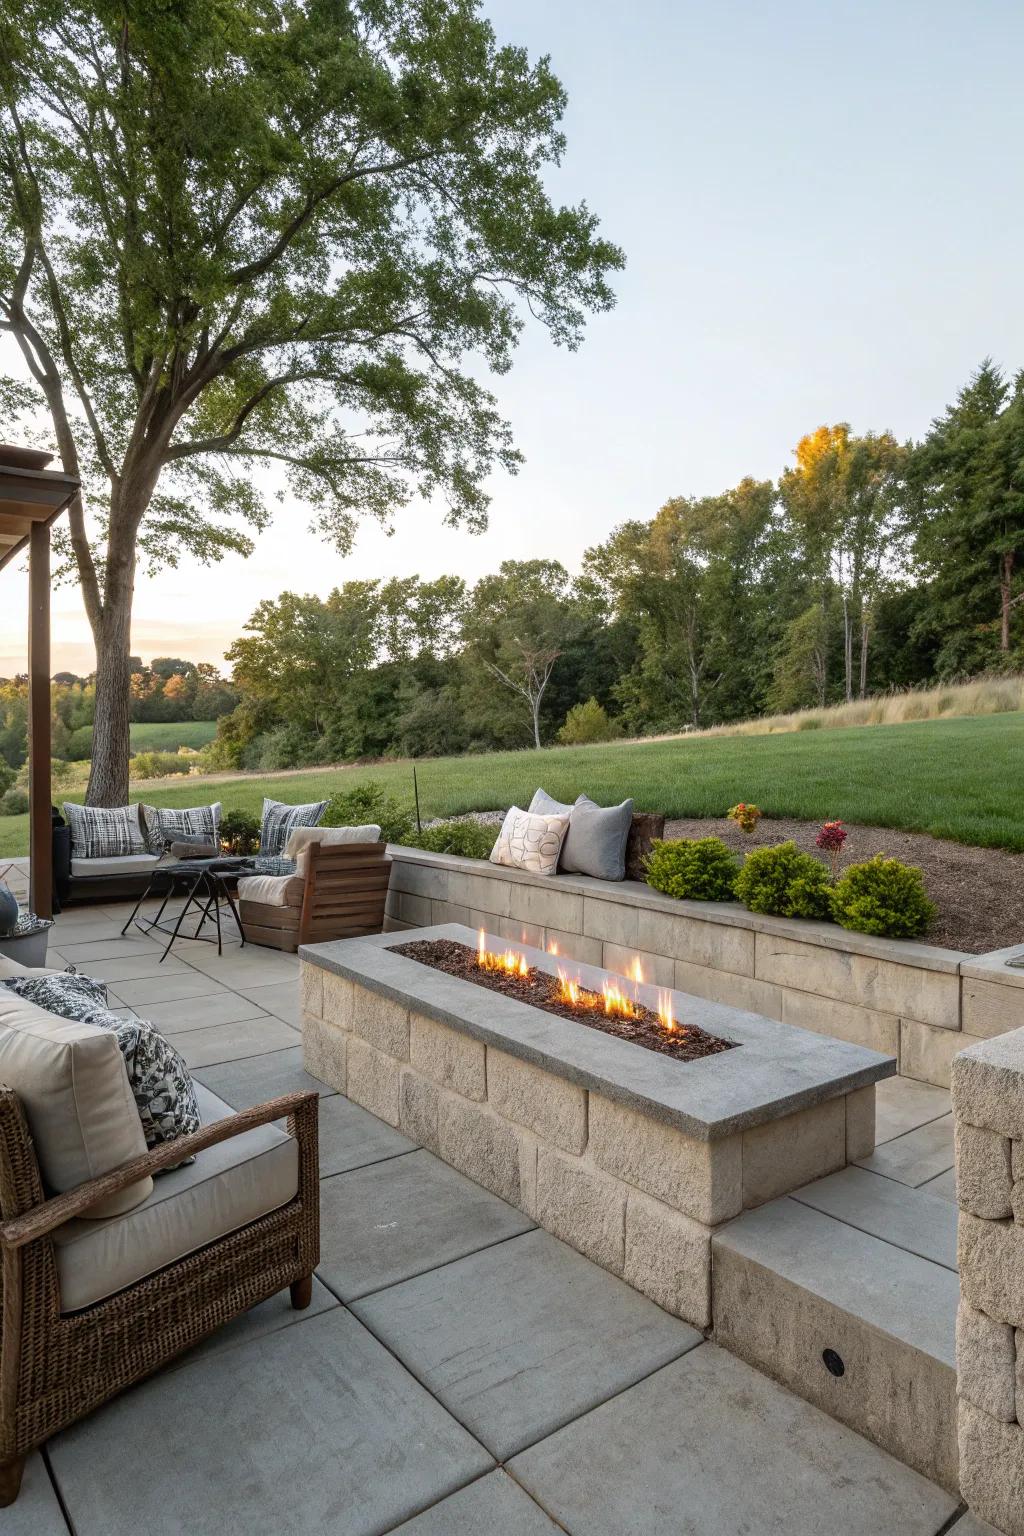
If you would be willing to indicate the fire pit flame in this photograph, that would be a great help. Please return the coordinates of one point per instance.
(665, 1015)
(510, 961)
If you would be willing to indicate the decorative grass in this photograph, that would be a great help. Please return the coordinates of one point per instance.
(958, 779)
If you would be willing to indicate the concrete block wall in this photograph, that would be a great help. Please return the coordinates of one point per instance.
(917, 1002)
(639, 1197)
(988, 1109)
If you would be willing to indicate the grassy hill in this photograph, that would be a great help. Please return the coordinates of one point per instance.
(169, 735)
(954, 778)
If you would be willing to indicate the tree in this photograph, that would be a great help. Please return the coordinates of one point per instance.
(969, 478)
(517, 625)
(843, 498)
(238, 234)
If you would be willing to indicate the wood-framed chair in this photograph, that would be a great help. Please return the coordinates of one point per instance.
(55, 1366)
(341, 893)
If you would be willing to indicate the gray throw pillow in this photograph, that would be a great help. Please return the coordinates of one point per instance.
(280, 818)
(595, 843)
(164, 1093)
(543, 805)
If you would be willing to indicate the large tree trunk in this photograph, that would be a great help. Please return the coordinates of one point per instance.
(108, 775)
(112, 631)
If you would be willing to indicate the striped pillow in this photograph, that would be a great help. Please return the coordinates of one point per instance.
(101, 832)
(165, 827)
(279, 819)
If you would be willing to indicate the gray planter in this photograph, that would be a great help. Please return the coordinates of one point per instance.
(28, 949)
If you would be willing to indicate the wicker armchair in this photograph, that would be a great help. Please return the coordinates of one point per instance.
(57, 1367)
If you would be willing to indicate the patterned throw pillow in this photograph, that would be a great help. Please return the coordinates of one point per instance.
(164, 1093)
(164, 827)
(530, 842)
(99, 832)
(279, 819)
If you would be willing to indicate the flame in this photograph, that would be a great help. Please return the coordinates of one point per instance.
(616, 1002)
(569, 990)
(636, 971)
(666, 1018)
(510, 961)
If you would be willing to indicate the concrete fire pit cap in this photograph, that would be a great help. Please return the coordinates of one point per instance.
(776, 1070)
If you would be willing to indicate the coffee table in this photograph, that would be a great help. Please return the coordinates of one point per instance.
(207, 884)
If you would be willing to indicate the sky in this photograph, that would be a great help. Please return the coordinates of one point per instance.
(820, 204)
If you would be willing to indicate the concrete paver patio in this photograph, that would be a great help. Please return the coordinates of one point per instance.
(459, 1371)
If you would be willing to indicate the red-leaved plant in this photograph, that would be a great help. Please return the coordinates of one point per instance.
(830, 840)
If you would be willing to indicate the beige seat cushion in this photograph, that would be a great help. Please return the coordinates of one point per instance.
(297, 846)
(9, 968)
(227, 1187)
(272, 890)
(71, 1082)
(122, 864)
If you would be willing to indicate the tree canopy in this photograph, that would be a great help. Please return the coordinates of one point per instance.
(237, 234)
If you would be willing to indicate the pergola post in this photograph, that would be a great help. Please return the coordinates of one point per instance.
(31, 497)
(40, 831)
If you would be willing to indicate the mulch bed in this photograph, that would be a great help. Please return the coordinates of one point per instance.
(685, 1043)
(979, 891)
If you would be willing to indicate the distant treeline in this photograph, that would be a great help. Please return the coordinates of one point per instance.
(169, 689)
(868, 565)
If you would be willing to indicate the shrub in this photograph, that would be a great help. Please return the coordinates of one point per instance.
(885, 897)
(79, 744)
(588, 722)
(467, 839)
(240, 832)
(156, 765)
(784, 881)
(697, 869)
(14, 802)
(370, 803)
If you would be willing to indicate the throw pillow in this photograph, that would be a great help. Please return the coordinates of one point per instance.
(543, 805)
(279, 819)
(164, 1093)
(595, 843)
(193, 848)
(164, 827)
(530, 842)
(99, 832)
(302, 838)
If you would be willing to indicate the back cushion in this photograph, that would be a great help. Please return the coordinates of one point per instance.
(71, 1082)
(280, 818)
(297, 847)
(99, 832)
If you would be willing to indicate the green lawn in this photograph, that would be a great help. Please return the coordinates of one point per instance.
(959, 779)
(169, 735)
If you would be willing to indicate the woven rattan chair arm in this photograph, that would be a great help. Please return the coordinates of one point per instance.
(44, 1219)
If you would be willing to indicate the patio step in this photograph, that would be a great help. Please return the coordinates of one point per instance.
(858, 1324)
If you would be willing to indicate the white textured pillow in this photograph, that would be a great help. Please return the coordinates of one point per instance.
(530, 842)
(71, 1082)
(297, 846)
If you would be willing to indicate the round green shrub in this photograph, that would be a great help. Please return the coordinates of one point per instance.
(240, 833)
(694, 869)
(369, 803)
(885, 897)
(14, 802)
(467, 839)
(784, 881)
(588, 722)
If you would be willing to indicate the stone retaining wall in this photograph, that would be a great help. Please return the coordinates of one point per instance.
(639, 1197)
(916, 1002)
(988, 1106)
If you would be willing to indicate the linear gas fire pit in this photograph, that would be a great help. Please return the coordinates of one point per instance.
(632, 1152)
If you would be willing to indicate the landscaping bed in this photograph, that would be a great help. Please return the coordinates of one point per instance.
(979, 891)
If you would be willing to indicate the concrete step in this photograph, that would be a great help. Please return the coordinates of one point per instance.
(860, 1326)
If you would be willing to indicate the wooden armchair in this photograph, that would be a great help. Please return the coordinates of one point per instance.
(56, 1367)
(340, 893)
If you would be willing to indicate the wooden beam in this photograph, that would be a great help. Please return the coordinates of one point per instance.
(40, 833)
